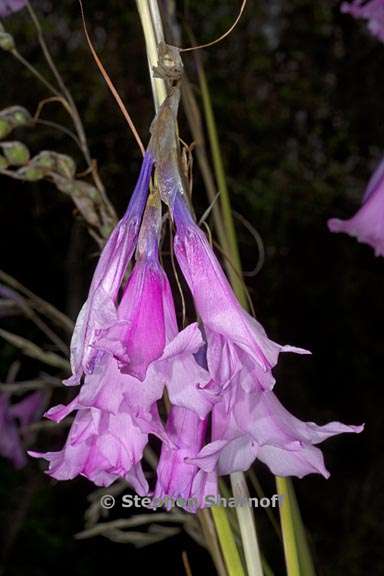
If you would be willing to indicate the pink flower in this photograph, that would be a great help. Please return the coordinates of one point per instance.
(101, 446)
(13, 419)
(370, 10)
(7, 7)
(236, 342)
(99, 310)
(177, 477)
(255, 425)
(368, 223)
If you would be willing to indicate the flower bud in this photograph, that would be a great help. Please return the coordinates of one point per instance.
(3, 163)
(5, 127)
(44, 160)
(30, 173)
(13, 117)
(7, 42)
(65, 166)
(19, 115)
(16, 153)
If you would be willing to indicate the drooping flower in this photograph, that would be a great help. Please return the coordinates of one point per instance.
(141, 351)
(367, 225)
(7, 7)
(13, 419)
(177, 477)
(258, 426)
(370, 10)
(99, 311)
(236, 342)
(102, 446)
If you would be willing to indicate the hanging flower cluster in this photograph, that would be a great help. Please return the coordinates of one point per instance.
(370, 10)
(367, 225)
(217, 372)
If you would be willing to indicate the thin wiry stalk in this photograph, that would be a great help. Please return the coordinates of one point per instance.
(65, 93)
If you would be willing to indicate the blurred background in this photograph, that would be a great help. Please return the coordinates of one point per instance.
(298, 99)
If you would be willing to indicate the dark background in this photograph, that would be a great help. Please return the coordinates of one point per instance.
(298, 96)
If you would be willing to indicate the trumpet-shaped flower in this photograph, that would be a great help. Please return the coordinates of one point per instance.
(141, 351)
(236, 342)
(367, 225)
(370, 10)
(101, 446)
(177, 477)
(99, 311)
(258, 426)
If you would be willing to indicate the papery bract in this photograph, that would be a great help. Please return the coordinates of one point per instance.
(367, 225)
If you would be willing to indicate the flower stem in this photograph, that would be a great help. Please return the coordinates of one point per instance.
(227, 542)
(288, 528)
(153, 34)
(298, 556)
(247, 527)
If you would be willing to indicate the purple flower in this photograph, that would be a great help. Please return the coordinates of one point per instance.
(237, 344)
(177, 477)
(248, 422)
(145, 315)
(13, 419)
(102, 446)
(99, 311)
(368, 223)
(371, 10)
(139, 351)
(7, 7)
(255, 425)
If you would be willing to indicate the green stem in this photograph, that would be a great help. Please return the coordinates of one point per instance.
(36, 73)
(227, 542)
(288, 527)
(296, 547)
(231, 243)
(247, 526)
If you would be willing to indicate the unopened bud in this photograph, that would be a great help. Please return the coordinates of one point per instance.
(65, 166)
(13, 117)
(16, 153)
(30, 173)
(5, 128)
(7, 42)
(3, 163)
(44, 160)
(19, 115)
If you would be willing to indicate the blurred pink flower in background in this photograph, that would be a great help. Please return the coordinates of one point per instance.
(370, 10)
(367, 225)
(7, 7)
